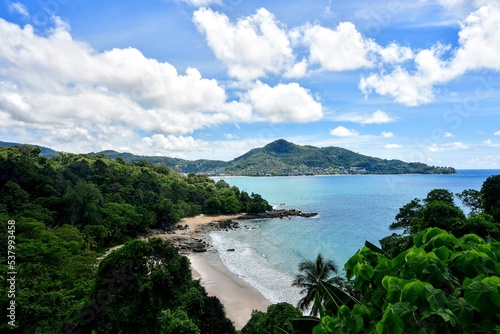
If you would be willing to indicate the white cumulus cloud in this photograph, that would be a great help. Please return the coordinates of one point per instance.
(377, 117)
(479, 46)
(341, 131)
(339, 49)
(284, 102)
(252, 47)
(395, 53)
(393, 146)
(387, 134)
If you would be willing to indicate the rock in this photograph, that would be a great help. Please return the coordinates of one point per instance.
(278, 214)
(230, 250)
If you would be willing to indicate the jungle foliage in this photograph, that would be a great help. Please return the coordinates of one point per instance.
(69, 208)
(442, 284)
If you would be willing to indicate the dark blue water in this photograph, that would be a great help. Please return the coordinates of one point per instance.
(351, 210)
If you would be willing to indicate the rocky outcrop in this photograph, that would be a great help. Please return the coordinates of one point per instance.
(282, 213)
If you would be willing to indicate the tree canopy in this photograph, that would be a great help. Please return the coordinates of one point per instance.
(69, 208)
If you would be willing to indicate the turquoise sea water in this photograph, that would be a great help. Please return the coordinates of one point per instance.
(351, 209)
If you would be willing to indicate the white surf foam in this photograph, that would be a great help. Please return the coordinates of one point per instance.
(255, 269)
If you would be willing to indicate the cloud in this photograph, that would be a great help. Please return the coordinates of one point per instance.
(411, 89)
(377, 117)
(251, 48)
(395, 54)
(387, 134)
(50, 83)
(339, 49)
(497, 133)
(479, 45)
(448, 135)
(447, 147)
(393, 146)
(284, 102)
(19, 8)
(230, 136)
(341, 131)
(162, 143)
(259, 45)
(490, 143)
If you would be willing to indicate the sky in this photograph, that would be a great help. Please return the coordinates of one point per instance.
(211, 79)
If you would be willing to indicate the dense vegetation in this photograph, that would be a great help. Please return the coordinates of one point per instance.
(284, 158)
(438, 209)
(68, 208)
(441, 275)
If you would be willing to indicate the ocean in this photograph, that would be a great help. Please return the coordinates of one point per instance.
(351, 209)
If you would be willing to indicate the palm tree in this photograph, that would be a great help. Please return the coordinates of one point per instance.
(314, 279)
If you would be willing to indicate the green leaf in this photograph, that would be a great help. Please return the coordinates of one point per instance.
(484, 298)
(430, 233)
(433, 274)
(413, 292)
(394, 286)
(472, 239)
(351, 263)
(391, 323)
(364, 271)
(462, 311)
(374, 248)
(362, 310)
(402, 309)
(435, 297)
(447, 316)
(443, 253)
(344, 310)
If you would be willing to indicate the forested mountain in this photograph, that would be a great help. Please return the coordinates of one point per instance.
(284, 158)
(45, 151)
(57, 214)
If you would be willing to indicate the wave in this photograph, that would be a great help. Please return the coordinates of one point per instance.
(255, 268)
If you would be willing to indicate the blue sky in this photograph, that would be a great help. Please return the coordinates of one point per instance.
(416, 81)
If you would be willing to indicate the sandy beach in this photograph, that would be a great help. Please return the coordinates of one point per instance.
(238, 297)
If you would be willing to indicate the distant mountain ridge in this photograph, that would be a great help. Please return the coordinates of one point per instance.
(282, 158)
(45, 151)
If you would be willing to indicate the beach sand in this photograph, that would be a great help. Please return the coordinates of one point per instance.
(238, 297)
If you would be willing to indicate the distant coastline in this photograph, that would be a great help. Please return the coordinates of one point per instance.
(282, 158)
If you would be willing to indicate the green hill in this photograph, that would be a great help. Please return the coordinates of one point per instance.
(284, 158)
(281, 158)
(45, 151)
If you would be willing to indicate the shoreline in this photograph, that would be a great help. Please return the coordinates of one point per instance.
(238, 297)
